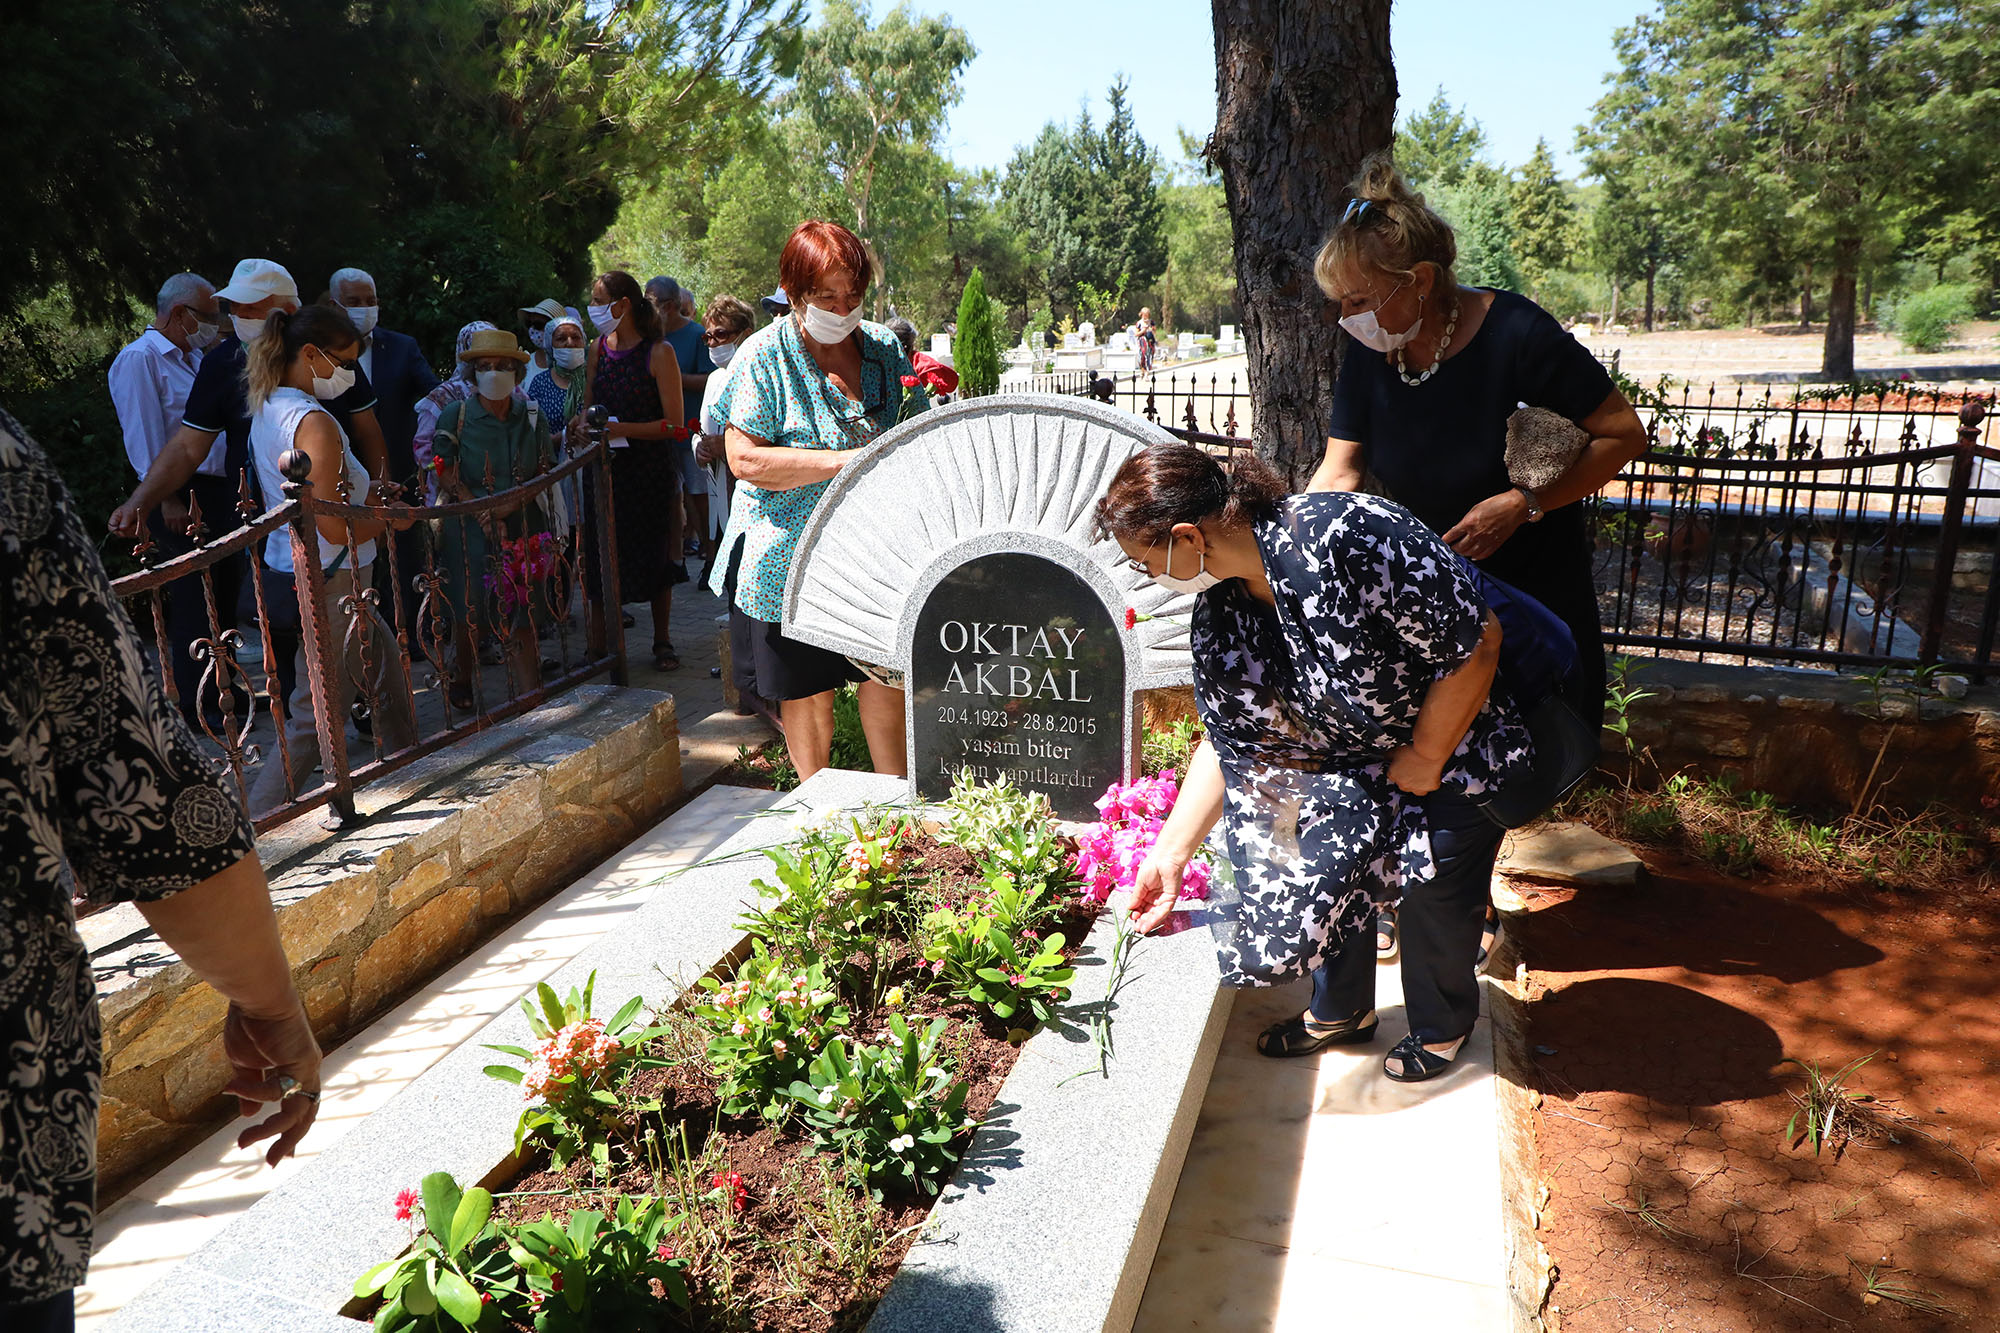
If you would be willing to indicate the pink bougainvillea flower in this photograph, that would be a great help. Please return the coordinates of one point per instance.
(406, 1204)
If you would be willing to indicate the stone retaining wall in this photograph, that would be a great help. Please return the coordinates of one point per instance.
(1811, 738)
(451, 847)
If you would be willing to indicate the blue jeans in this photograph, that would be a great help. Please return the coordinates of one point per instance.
(1439, 925)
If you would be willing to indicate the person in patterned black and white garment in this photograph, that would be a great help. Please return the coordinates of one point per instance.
(1343, 658)
(103, 791)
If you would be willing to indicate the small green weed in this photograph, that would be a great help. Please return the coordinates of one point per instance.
(1830, 1112)
(1876, 1288)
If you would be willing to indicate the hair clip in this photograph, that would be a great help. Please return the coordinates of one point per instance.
(1356, 208)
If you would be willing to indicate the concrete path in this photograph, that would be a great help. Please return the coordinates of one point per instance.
(1319, 1195)
(142, 1236)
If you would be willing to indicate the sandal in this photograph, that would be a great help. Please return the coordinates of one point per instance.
(664, 656)
(1419, 1062)
(1297, 1036)
(460, 696)
(1388, 941)
(1489, 937)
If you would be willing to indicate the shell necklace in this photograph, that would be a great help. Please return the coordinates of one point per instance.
(1450, 327)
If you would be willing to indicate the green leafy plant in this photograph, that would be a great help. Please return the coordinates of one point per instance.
(891, 1110)
(1619, 696)
(1829, 1111)
(599, 1271)
(766, 1026)
(831, 892)
(990, 951)
(1169, 748)
(456, 1262)
(572, 1076)
(1876, 1287)
(1731, 853)
(1929, 320)
(976, 346)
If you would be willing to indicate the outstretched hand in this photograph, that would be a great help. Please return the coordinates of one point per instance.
(262, 1050)
(1155, 889)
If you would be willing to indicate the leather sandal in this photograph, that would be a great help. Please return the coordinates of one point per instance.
(1489, 937)
(1297, 1036)
(1419, 1062)
(664, 656)
(1388, 941)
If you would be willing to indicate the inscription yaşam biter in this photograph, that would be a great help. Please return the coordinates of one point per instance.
(1017, 670)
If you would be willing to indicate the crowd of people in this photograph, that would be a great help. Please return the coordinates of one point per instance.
(1374, 674)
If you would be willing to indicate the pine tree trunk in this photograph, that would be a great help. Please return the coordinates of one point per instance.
(1805, 301)
(1837, 361)
(1614, 303)
(1304, 92)
(1652, 271)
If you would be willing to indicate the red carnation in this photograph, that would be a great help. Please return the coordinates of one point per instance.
(909, 381)
(1131, 618)
(406, 1203)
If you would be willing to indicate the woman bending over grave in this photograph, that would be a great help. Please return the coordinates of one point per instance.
(1428, 403)
(1342, 661)
(803, 400)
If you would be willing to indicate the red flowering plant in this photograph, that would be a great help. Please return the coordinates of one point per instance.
(457, 1273)
(604, 1270)
(525, 566)
(574, 1071)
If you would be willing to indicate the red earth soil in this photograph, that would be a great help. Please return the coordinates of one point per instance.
(1658, 1018)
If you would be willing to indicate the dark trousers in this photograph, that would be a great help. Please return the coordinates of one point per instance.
(410, 547)
(1439, 924)
(57, 1314)
(187, 605)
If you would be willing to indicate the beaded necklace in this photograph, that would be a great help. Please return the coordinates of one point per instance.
(1450, 327)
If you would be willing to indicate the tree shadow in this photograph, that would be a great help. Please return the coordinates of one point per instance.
(1744, 933)
(993, 1149)
(1652, 1039)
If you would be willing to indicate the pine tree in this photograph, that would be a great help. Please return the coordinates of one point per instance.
(1546, 235)
(975, 348)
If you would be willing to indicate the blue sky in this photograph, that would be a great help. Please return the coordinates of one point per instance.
(1522, 77)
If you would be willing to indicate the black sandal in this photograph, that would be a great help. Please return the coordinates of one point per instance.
(1489, 937)
(1419, 1061)
(1388, 941)
(1294, 1037)
(664, 657)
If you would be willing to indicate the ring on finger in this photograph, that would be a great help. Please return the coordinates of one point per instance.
(290, 1087)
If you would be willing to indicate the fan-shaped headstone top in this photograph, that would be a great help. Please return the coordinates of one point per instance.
(959, 550)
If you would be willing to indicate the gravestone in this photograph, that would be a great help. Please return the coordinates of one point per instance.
(959, 549)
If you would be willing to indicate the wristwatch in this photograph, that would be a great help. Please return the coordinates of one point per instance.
(1534, 504)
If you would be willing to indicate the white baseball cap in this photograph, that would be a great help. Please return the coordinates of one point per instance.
(255, 279)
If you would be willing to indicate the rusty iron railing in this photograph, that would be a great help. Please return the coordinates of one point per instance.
(416, 597)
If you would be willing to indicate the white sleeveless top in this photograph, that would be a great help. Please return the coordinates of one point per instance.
(271, 432)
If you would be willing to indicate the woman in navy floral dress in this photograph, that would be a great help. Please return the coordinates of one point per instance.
(1343, 657)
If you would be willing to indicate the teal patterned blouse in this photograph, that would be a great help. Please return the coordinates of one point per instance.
(778, 393)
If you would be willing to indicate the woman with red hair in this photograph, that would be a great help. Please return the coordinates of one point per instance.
(804, 399)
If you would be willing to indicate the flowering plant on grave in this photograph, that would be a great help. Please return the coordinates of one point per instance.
(833, 888)
(1110, 851)
(891, 1110)
(765, 1027)
(989, 950)
(572, 1074)
(524, 565)
(603, 1270)
(456, 1275)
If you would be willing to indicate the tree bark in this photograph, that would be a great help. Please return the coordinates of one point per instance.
(1837, 361)
(1614, 303)
(1652, 271)
(1805, 301)
(1303, 93)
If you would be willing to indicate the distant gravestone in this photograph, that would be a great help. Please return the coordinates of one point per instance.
(960, 550)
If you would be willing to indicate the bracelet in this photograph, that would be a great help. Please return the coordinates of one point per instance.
(1534, 503)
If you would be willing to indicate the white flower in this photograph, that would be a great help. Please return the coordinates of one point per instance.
(901, 1144)
(826, 1096)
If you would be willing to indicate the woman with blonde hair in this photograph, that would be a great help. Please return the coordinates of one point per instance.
(1424, 398)
(298, 362)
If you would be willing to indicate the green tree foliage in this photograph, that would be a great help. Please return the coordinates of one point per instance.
(1438, 145)
(1480, 209)
(1822, 111)
(975, 349)
(1546, 234)
(1198, 289)
(1087, 202)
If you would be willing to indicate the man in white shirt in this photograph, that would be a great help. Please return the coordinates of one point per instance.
(151, 377)
(150, 381)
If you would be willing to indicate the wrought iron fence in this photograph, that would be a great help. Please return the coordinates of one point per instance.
(1207, 410)
(514, 564)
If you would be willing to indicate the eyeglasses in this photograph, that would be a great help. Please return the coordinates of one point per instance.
(349, 363)
(1356, 210)
(1140, 566)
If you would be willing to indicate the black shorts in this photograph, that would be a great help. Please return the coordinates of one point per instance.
(775, 667)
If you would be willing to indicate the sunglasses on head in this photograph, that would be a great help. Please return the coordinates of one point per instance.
(1357, 209)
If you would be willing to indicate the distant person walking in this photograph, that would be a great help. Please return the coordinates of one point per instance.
(1147, 337)
(690, 345)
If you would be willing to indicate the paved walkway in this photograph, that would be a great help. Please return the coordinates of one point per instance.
(166, 1217)
(1319, 1195)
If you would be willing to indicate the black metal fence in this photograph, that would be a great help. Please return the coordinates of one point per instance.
(510, 569)
(1206, 409)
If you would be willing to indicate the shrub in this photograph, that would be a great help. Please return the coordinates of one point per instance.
(1930, 319)
(890, 1110)
(975, 349)
(767, 1025)
(457, 1254)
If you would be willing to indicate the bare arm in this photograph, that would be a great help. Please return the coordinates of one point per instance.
(170, 473)
(1195, 811)
(223, 928)
(319, 439)
(369, 445)
(1449, 707)
(1616, 438)
(1340, 470)
(778, 467)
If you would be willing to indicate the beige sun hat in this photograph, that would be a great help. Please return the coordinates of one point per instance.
(551, 307)
(492, 342)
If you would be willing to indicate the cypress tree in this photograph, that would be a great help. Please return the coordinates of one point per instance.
(975, 348)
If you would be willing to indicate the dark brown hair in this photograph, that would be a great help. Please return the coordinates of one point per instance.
(1166, 484)
(622, 286)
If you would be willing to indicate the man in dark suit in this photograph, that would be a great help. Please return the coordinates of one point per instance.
(395, 366)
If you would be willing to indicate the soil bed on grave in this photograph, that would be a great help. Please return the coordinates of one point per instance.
(782, 1216)
(1656, 1023)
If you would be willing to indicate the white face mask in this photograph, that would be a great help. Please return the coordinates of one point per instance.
(364, 317)
(248, 329)
(495, 384)
(1370, 334)
(204, 335)
(569, 358)
(823, 326)
(720, 355)
(327, 387)
(601, 319)
(1200, 581)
